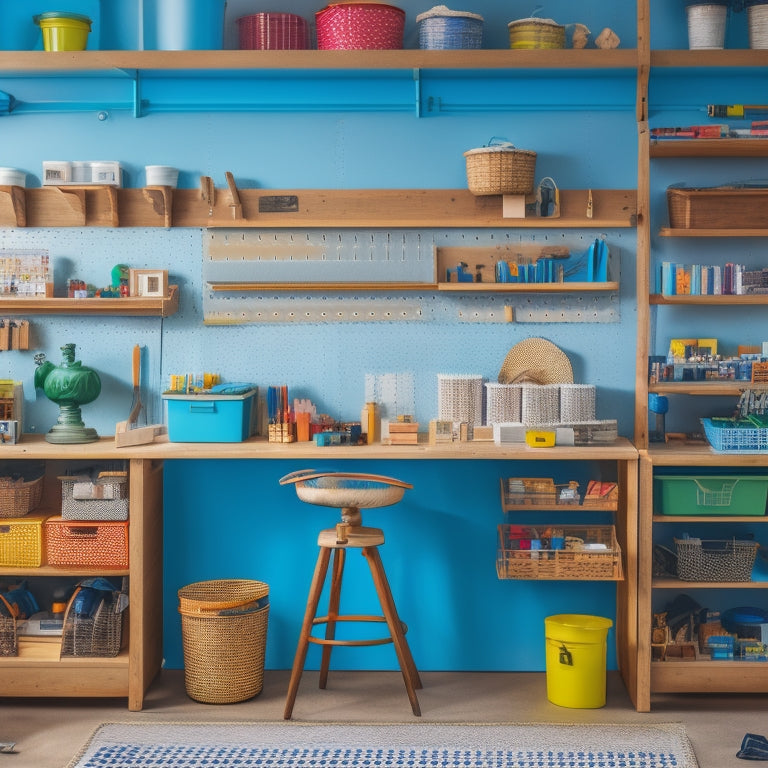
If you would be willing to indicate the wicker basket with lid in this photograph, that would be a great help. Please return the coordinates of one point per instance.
(500, 169)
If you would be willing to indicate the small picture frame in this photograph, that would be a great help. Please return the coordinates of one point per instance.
(149, 283)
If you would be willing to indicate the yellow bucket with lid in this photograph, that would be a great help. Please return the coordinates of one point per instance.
(575, 659)
(63, 31)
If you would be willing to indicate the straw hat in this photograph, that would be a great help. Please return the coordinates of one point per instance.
(537, 361)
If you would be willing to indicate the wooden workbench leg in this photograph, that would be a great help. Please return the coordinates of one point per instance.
(337, 572)
(321, 569)
(407, 666)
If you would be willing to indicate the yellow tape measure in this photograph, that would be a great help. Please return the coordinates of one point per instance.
(539, 438)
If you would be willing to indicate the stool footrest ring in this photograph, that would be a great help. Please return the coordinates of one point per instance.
(358, 618)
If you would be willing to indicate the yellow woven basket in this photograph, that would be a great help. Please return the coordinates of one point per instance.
(224, 633)
(535, 33)
(500, 169)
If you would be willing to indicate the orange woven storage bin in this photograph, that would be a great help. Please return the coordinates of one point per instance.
(21, 541)
(90, 544)
(718, 208)
(360, 26)
(500, 169)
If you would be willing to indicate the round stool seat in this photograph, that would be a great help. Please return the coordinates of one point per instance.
(358, 490)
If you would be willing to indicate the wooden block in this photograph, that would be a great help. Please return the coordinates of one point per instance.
(513, 206)
(125, 437)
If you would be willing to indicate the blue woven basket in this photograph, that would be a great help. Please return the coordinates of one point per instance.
(450, 32)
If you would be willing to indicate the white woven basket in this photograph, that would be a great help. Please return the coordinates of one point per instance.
(540, 404)
(577, 403)
(757, 18)
(706, 26)
(460, 398)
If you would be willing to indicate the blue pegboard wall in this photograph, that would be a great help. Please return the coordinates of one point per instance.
(104, 343)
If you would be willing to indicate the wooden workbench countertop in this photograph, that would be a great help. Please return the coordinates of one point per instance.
(35, 446)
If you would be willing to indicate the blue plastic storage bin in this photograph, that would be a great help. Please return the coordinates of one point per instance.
(210, 418)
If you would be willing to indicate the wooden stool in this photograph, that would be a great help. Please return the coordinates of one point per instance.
(350, 491)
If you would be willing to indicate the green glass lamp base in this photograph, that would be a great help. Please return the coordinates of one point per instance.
(71, 433)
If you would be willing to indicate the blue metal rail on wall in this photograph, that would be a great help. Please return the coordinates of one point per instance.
(425, 93)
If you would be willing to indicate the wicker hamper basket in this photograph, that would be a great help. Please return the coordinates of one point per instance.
(224, 633)
(500, 169)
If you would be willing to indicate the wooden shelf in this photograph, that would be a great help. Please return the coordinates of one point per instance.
(133, 306)
(127, 63)
(720, 232)
(405, 286)
(715, 300)
(102, 206)
(672, 583)
(713, 388)
(700, 455)
(708, 676)
(682, 59)
(710, 518)
(709, 148)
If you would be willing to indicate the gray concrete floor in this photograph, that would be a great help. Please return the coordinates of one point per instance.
(50, 732)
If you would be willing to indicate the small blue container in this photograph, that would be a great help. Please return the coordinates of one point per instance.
(441, 29)
(189, 25)
(210, 418)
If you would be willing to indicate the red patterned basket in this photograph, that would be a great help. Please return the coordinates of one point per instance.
(359, 26)
(273, 32)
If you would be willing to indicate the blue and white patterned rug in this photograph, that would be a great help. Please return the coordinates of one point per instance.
(422, 745)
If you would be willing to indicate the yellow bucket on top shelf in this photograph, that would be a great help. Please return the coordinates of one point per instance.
(63, 31)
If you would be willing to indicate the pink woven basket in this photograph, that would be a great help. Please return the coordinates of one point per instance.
(273, 32)
(359, 26)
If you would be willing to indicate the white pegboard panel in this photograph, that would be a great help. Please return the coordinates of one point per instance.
(316, 255)
(541, 308)
(307, 256)
(234, 310)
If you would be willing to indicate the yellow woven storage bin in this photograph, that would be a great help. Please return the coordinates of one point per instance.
(500, 169)
(535, 33)
(224, 634)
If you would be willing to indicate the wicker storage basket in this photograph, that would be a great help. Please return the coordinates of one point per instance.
(98, 635)
(18, 497)
(442, 29)
(224, 633)
(718, 208)
(535, 33)
(360, 26)
(520, 560)
(715, 560)
(8, 642)
(500, 169)
(91, 544)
